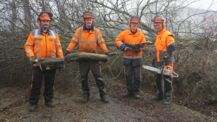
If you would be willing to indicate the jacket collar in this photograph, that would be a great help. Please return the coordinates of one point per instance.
(130, 32)
(88, 29)
(41, 32)
(162, 31)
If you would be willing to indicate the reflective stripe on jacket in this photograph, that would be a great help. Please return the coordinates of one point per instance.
(163, 40)
(87, 41)
(128, 38)
(41, 45)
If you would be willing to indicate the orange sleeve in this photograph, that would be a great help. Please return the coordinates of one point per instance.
(59, 48)
(170, 40)
(101, 42)
(29, 46)
(119, 40)
(74, 41)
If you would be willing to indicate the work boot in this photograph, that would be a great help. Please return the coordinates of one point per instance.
(104, 98)
(32, 108)
(168, 99)
(49, 104)
(84, 98)
(167, 102)
(136, 95)
(129, 94)
(157, 98)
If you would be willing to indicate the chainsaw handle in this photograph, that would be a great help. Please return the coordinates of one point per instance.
(175, 75)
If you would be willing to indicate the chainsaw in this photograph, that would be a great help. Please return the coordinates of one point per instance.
(163, 71)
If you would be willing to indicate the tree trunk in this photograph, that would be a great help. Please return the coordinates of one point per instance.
(13, 16)
(27, 15)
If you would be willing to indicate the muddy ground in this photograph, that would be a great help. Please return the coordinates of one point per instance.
(68, 108)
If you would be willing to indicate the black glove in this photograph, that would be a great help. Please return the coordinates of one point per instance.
(123, 47)
(66, 53)
(136, 48)
(33, 60)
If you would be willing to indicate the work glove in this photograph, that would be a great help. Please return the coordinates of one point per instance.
(136, 48)
(122, 47)
(32, 60)
(66, 53)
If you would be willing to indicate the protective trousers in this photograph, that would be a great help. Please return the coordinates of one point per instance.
(94, 66)
(133, 74)
(38, 75)
(164, 86)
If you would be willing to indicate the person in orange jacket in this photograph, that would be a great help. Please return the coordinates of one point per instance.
(132, 43)
(164, 58)
(89, 39)
(42, 43)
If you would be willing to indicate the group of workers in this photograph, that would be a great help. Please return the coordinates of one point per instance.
(44, 43)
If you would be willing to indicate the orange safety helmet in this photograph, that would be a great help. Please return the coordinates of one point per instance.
(45, 15)
(158, 19)
(88, 15)
(134, 20)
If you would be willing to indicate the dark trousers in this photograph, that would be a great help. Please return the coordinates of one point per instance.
(133, 74)
(94, 66)
(38, 75)
(164, 86)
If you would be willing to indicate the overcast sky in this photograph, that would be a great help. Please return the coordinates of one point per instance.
(205, 4)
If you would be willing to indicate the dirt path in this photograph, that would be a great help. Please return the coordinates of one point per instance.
(13, 108)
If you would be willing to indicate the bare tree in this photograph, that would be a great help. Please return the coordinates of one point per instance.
(27, 15)
(13, 15)
(64, 23)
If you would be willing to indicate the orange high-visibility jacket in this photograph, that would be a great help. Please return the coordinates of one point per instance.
(127, 37)
(87, 41)
(42, 45)
(163, 40)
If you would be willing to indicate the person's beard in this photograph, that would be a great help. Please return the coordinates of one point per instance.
(88, 27)
(45, 28)
(133, 31)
